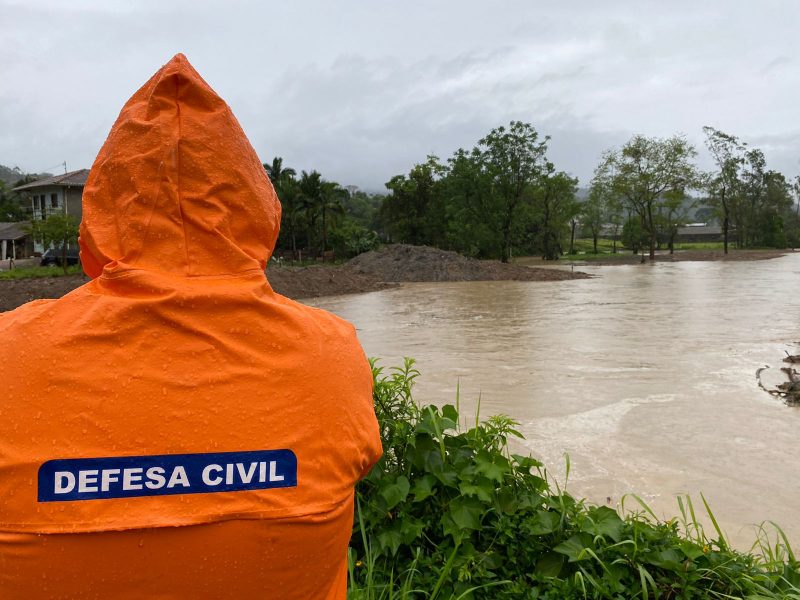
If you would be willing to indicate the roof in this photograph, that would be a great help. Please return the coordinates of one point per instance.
(73, 178)
(700, 230)
(13, 231)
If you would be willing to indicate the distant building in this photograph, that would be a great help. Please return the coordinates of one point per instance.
(60, 194)
(699, 232)
(14, 240)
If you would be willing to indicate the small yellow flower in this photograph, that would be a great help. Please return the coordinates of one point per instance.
(706, 549)
(359, 563)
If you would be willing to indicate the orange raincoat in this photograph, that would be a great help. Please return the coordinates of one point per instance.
(174, 428)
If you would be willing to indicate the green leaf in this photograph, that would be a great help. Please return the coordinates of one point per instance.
(604, 521)
(690, 549)
(450, 413)
(549, 565)
(396, 492)
(574, 546)
(481, 487)
(507, 500)
(449, 527)
(543, 523)
(526, 462)
(424, 487)
(666, 559)
(411, 529)
(492, 466)
(466, 512)
(529, 500)
(390, 539)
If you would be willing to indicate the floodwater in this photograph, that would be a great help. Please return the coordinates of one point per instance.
(643, 375)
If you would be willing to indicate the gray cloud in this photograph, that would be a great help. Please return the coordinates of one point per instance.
(361, 91)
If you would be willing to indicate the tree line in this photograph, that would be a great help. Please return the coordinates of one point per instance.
(500, 198)
(645, 188)
(505, 197)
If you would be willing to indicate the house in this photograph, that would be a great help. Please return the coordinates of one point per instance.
(60, 194)
(14, 240)
(699, 232)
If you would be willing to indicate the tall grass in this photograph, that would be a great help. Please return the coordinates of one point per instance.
(38, 272)
(450, 513)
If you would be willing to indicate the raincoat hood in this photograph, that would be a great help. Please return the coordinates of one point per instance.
(177, 188)
(175, 423)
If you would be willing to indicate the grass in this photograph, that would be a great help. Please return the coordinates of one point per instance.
(584, 249)
(36, 272)
(450, 513)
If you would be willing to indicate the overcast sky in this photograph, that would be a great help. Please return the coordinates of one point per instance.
(362, 90)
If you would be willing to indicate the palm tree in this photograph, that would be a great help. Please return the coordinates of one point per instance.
(331, 203)
(277, 174)
(321, 199)
(286, 188)
(310, 197)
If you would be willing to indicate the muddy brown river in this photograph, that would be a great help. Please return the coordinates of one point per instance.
(644, 375)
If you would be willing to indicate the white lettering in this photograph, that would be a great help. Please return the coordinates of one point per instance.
(207, 479)
(229, 474)
(107, 477)
(178, 477)
(87, 481)
(262, 471)
(273, 475)
(60, 486)
(246, 476)
(156, 477)
(131, 478)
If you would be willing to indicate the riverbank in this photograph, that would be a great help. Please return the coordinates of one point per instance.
(450, 509)
(627, 258)
(645, 375)
(369, 272)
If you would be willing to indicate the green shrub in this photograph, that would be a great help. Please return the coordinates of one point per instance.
(449, 512)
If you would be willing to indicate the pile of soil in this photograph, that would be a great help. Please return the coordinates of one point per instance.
(402, 262)
(321, 280)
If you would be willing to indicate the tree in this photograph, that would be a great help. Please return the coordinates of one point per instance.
(672, 214)
(10, 208)
(593, 213)
(469, 204)
(58, 231)
(751, 197)
(555, 204)
(283, 180)
(793, 234)
(514, 159)
(414, 211)
(633, 236)
(643, 171)
(321, 200)
(775, 211)
(330, 205)
(722, 186)
(277, 174)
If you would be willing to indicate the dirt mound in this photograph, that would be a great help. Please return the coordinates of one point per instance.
(319, 280)
(403, 262)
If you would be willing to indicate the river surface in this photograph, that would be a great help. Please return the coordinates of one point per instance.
(643, 375)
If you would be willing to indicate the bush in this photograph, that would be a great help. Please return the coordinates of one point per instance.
(449, 512)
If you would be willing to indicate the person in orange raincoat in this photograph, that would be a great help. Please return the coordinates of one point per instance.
(174, 428)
